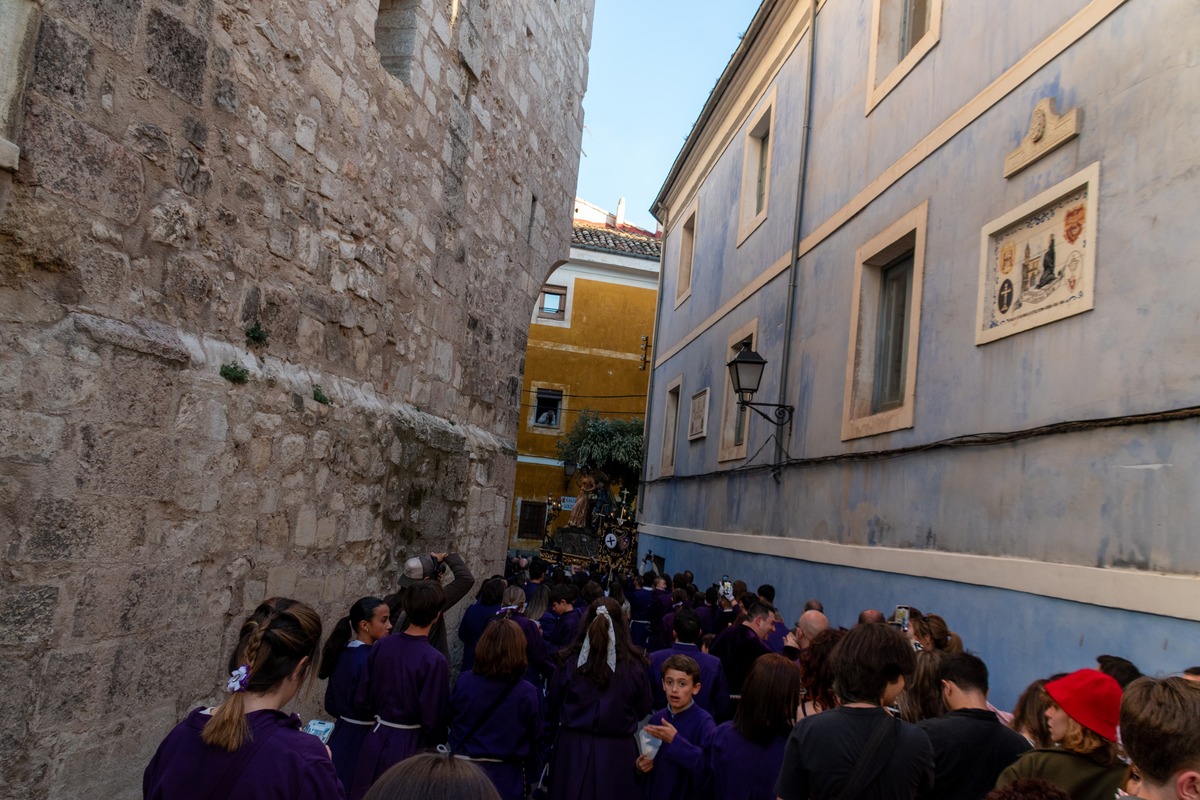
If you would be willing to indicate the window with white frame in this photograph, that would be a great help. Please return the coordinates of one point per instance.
(547, 412)
(756, 169)
(687, 253)
(881, 366)
(670, 426)
(553, 302)
(903, 31)
(735, 418)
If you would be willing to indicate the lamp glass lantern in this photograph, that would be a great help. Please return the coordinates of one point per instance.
(745, 372)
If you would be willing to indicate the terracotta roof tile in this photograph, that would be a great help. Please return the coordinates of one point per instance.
(627, 240)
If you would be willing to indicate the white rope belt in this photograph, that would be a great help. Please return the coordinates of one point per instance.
(357, 721)
(380, 721)
(479, 758)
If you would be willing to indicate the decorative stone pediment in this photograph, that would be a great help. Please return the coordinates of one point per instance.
(1047, 132)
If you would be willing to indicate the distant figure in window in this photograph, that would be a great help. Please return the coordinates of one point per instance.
(547, 417)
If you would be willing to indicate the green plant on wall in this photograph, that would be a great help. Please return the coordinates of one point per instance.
(234, 373)
(319, 395)
(256, 335)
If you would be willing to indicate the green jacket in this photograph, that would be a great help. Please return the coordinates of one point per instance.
(1075, 774)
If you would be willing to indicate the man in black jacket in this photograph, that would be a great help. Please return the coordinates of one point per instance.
(971, 746)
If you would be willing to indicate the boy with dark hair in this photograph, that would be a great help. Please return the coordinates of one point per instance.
(678, 771)
(1160, 727)
(858, 750)
(407, 683)
(713, 696)
(971, 747)
(560, 623)
(537, 575)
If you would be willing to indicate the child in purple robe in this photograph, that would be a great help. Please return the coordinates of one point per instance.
(408, 684)
(746, 753)
(713, 696)
(477, 616)
(343, 663)
(495, 715)
(597, 696)
(560, 625)
(679, 770)
(247, 747)
(537, 654)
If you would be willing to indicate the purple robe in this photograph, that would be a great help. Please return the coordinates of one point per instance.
(537, 652)
(705, 613)
(681, 767)
(509, 731)
(595, 751)
(713, 696)
(474, 620)
(407, 683)
(348, 734)
(286, 763)
(738, 647)
(562, 629)
(777, 636)
(741, 769)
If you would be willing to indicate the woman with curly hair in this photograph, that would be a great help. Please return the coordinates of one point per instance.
(1082, 713)
(817, 680)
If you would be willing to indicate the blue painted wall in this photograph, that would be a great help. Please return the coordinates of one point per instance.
(1118, 497)
(1021, 637)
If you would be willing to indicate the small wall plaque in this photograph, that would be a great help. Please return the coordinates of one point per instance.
(1047, 132)
(1038, 263)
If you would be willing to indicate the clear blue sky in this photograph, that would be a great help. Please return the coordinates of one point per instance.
(651, 68)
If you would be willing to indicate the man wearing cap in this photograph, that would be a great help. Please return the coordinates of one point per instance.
(1160, 726)
(429, 567)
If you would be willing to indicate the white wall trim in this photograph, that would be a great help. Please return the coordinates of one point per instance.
(1159, 593)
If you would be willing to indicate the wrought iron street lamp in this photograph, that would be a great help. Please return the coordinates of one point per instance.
(745, 372)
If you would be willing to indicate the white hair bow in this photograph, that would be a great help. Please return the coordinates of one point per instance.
(612, 642)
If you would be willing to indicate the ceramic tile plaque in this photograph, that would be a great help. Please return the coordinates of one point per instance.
(1038, 261)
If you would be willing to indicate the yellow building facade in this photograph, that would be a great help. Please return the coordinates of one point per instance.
(590, 342)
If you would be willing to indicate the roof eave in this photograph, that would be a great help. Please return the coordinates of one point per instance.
(714, 97)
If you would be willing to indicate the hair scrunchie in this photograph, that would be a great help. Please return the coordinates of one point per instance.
(612, 642)
(239, 679)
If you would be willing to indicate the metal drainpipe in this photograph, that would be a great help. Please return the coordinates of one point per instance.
(789, 318)
(651, 352)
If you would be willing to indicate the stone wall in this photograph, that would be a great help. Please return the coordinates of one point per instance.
(189, 168)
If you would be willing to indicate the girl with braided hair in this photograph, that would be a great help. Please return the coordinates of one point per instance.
(247, 747)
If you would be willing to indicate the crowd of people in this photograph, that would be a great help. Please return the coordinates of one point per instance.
(577, 684)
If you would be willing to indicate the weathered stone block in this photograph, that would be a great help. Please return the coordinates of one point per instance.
(30, 437)
(175, 56)
(27, 614)
(78, 162)
(62, 63)
(143, 336)
(114, 22)
(113, 462)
